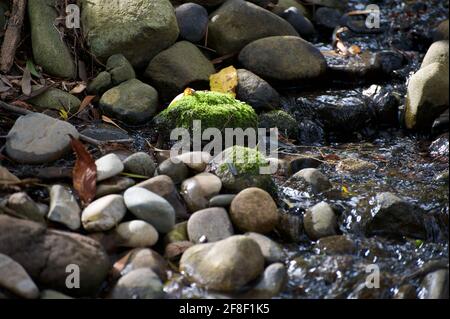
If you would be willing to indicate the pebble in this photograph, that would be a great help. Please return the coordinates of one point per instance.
(271, 284)
(104, 213)
(14, 278)
(176, 170)
(212, 224)
(113, 185)
(224, 266)
(197, 190)
(140, 163)
(37, 138)
(320, 221)
(313, 178)
(25, 207)
(271, 250)
(142, 258)
(140, 283)
(64, 207)
(254, 210)
(120, 69)
(192, 21)
(150, 207)
(108, 166)
(135, 234)
(223, 200)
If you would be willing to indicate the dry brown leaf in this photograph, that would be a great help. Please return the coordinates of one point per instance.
(86, 101)
(110, 121)
(84, 173)
(78, 89)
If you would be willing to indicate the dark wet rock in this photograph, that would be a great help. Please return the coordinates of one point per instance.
(209, 225)
(309, 178)
(393, 216)
(237, 23)
(145, 28)
(150, 207)
(328, 18)
(271, 250)
(254, 210)
(100, 84)
(301, 24)
(46, 253)
(105, 132)
(336, 245)
(441, 123)
(132, 101)
(221, 200)
(310, 133)
(49, 49)
(427, 96)
(25, 207)
(441, 32)
(164, 187)
(283, 5)
(142, 258)
(197, 190)
(435, 285)
(439, 147)
(140, 163)
(37, 138)
(120, 69)
(192, 20)
(55, 99)
(227, 265)
(286, 124)
(390, 61)
(320, 221)
(180, 66)
(176, 170)
(386, 105)
(284, 58)
(256, 92)
(297, 164)
(113, 185)
(271, 284)
(141, 283)
(15, 279)
(360, 68)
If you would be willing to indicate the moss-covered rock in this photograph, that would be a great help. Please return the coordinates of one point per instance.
(49, 50)
(214, 110)
(285, 123)
(100, 84)
(240, 167)
(55, 99)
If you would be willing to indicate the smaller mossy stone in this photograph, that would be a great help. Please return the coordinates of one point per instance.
(213, 109)
(55, 99)
(285, 123)
(120, 69)
(100, 84)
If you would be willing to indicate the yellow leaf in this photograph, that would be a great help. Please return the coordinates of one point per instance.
(225, 81)
(188, 91)
(63, 114)
(345, 190)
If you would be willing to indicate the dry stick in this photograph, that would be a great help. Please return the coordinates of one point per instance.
(12, 35)
(84, 138)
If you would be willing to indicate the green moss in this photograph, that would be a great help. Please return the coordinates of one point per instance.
(215, 110)
(244, 160)
(286, 124)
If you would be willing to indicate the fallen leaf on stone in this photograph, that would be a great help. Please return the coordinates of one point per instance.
(225, 81)
(84, 173)
(78, 89)
(26, 82)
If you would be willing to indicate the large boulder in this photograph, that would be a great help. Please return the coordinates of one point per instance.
(427, 96)
(438, 52)
(49, 49)
(237, 23)
(46, 254)
(37, 138)
(172, 70)
(227, 265)
(132, 101)
(139, 29)
(284, 58)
